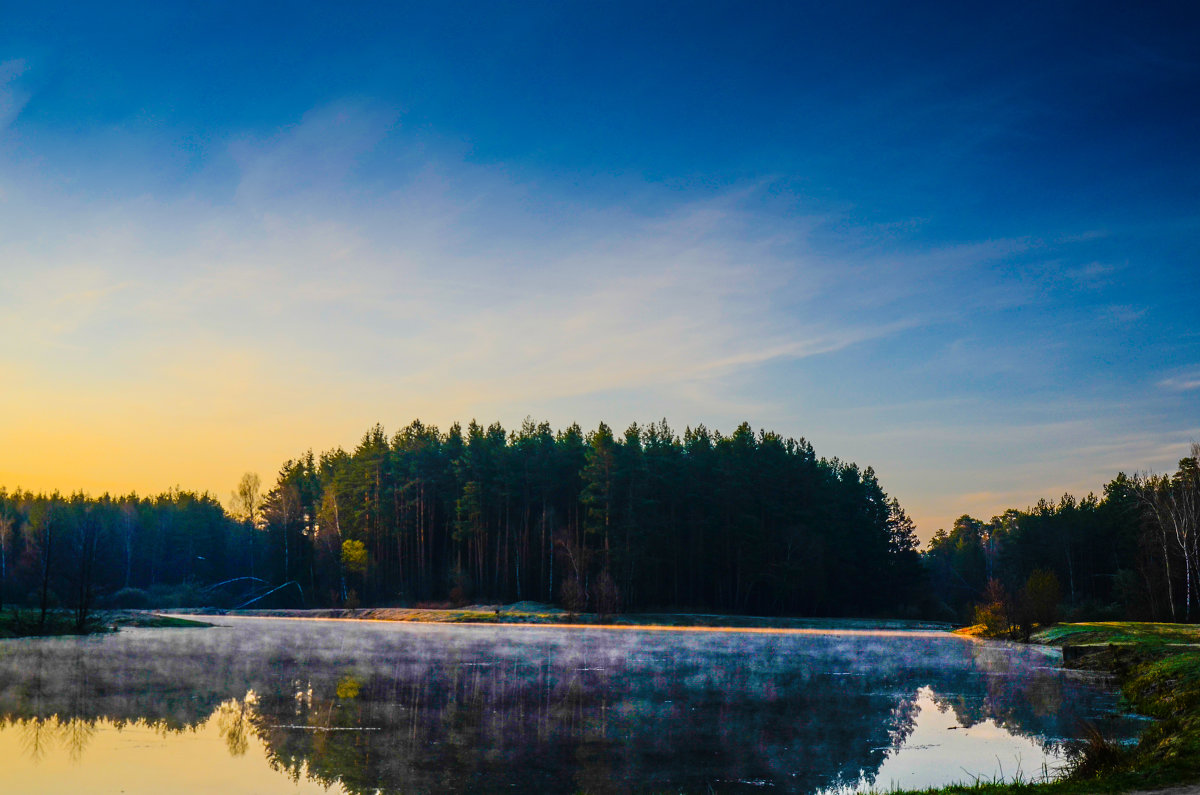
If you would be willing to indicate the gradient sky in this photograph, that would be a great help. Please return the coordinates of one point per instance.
(958, 244)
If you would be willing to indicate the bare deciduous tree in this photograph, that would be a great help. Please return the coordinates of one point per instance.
(246, 505)
(1172, 508)
(246, 501)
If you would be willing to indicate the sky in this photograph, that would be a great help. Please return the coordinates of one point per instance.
(955, 243)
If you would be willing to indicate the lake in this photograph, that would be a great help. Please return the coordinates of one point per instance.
(260, 705)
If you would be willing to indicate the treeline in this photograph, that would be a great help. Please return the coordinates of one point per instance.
(647, 519)
(644, 520)
(70, 551)
(1129, 554)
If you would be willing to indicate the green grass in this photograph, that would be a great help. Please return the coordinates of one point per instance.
(26, 622)
(1069, 787)
(156, 621)
(1139, 632)
(1158, 666)
(473, 617)
(1169, 689)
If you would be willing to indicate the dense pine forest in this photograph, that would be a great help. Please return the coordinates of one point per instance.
(746, 522)
(600, 522)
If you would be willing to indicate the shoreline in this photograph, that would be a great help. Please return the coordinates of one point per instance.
(598, 626)
(536, 614)
(25, 622)
(1157, 671)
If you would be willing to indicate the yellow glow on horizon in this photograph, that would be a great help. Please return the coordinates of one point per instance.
(197, 429)
(147, 440)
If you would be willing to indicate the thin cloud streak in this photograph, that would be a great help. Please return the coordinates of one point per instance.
(685, 281)
(1183, 382)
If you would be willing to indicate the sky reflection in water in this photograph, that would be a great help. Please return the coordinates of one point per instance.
(263, 705)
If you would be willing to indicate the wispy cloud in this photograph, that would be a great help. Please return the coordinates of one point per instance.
(1182, 381)
(308, 299)
(1123, 313)
(320, 152)
(1092, 275)
(401, 288)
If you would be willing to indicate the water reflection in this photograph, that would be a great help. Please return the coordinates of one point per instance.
(136, 757)
(367, 707)
(984, 750)
(235, 722)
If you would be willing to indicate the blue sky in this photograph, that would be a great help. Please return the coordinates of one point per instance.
(957, 244)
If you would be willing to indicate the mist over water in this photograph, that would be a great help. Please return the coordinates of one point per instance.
(291, 706)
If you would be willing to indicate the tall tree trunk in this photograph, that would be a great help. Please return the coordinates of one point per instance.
(87, 556)
(1167, 565)
(4, 531)
(46, 574)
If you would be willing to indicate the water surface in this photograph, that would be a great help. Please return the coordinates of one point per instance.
(275, 705)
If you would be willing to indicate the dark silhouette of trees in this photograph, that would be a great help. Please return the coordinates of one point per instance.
(644, 519)
(750, 522)
(7, 523)
(1131, 553)
(80, 552)
(599, 521)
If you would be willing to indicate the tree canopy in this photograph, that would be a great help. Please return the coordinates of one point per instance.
(647, 518)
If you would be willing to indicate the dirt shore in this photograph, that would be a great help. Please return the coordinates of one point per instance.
(538, 613)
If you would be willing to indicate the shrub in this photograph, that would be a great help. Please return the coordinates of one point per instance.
(995, 613)
(1096, 754)
(574, 597)
(34, 598)
(460, 587)
(1041, 594)
(130, 598)
(182, 595)
(607, 596)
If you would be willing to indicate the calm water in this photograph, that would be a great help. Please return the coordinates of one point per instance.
(272, 705)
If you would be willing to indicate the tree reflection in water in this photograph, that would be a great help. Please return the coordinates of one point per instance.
(36, 733)
(403, 708)
(235, 721)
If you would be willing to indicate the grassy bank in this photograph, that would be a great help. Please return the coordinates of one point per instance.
(1158, 668)
(26, 622)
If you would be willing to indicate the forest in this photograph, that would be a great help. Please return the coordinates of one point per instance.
(646, 519)
(1131, 553)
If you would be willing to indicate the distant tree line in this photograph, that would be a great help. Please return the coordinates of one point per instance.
(1130, 553)
(647, 519)
(71, 551)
